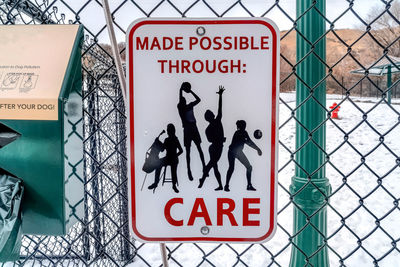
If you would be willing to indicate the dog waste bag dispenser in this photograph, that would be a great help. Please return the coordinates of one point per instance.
(41, 112)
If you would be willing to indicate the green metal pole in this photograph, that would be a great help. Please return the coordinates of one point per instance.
(389, 84)
(310, 186)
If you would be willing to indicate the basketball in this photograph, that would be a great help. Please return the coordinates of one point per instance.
(257, 134)
(186, 87)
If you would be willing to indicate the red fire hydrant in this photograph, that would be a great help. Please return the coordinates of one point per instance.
(335, 112)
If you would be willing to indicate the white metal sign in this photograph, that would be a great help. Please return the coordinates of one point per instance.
(203, 100)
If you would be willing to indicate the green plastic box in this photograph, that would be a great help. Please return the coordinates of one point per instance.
(40, 98)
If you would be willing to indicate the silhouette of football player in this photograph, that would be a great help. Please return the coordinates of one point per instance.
(239, 139)
(173, 150)
(190, 131)
(215, 135)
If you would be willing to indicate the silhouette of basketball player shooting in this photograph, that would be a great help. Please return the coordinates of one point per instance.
(173, 151)
(190, 131)
(239, 139)
(215, 135)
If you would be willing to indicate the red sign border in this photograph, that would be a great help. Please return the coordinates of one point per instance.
(261, 21)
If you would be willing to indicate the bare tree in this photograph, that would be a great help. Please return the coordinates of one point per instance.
(288, 59)
(385, 23)
(121, 48)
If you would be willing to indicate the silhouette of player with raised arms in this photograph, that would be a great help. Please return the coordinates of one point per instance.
(173, 151)
(215, 135)
(239, 139)
(190, 131)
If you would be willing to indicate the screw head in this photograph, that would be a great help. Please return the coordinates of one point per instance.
(200, 31)
(204, 230)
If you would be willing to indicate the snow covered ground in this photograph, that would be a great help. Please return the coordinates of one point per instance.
(362, 182)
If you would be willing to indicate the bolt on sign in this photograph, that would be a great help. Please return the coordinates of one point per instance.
(203, 107)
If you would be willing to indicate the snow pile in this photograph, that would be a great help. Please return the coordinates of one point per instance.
(364, 176)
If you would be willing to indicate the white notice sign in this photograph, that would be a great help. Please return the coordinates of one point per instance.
(203, 100)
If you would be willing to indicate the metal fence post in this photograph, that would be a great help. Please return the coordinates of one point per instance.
(310, 188)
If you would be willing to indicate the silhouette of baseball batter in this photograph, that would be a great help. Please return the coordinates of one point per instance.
(190, 131)
(215, 135)
(239, 139)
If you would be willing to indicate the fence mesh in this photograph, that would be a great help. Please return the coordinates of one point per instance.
(362, 155)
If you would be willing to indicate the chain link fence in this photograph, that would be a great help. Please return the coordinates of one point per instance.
(362, 154)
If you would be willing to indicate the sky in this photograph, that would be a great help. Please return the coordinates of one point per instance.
(93, 17)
